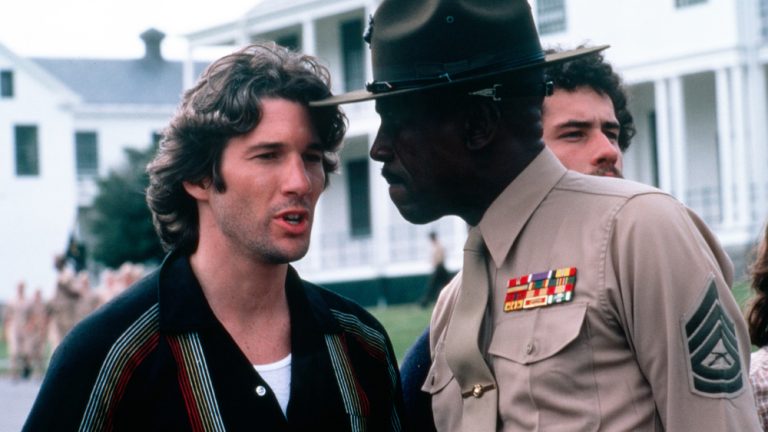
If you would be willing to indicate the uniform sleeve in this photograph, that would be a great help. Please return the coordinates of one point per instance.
(680, 317)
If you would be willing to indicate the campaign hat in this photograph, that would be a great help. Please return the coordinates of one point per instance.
(419, 45)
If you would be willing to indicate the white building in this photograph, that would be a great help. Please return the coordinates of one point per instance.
(38, 193)
(63, 124)
(697, 83)
(695, 70)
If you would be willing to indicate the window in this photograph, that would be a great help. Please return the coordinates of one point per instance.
(87, 154)
(353, 54)
(652, 133)
(551, 16)
(27, 155)
(157, 137)
(359, 197)
(684, 3)
(289, 41)
(6, 84)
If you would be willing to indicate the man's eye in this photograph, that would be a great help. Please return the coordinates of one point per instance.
(572, 135)
(266, 156)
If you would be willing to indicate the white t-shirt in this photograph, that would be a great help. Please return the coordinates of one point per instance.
(278, 377)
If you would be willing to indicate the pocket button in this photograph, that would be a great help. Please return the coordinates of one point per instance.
(529, 348)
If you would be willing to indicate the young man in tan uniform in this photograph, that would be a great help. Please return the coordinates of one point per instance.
(584, 303)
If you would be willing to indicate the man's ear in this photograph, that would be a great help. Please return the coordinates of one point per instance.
(198, 190)
(482, 123)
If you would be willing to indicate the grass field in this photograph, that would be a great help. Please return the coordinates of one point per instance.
(742, 293)
(404, 323)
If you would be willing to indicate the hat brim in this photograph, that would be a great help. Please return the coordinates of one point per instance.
(364, 95)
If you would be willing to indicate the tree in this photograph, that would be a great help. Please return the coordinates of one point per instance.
(122, 223)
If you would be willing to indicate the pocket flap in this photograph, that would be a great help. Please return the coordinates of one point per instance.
(439, 373)
(531, 336)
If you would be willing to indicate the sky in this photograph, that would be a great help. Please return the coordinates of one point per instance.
(108, 28)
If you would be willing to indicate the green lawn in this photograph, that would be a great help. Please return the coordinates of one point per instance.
(742, 292)
(404, 323)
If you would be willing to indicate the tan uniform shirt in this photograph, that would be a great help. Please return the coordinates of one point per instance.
(651, 338)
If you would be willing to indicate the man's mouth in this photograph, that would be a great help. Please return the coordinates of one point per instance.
(293, 218)
(608, 171)
(392, 178)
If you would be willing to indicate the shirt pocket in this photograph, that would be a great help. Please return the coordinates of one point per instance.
(439, 374)
(543, 360)
(444, 390)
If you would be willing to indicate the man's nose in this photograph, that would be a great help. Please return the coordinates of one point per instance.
(297, 178)
(381, 150)
(605, 151)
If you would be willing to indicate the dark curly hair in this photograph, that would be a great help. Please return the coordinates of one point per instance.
(594, 72)
(757, 315)
(226, 103)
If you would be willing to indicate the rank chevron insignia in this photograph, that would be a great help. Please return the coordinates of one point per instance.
(713, 350)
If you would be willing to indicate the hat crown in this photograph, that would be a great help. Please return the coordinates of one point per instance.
(422, 39)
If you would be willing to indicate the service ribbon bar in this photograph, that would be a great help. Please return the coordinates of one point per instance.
(540, 289)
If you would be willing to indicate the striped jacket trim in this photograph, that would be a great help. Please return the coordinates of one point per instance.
(354, 398)
(142, 337)
(195, 383)
(128, 351)
(375, 343)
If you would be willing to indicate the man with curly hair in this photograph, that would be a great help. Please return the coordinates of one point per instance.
(587, 124)
(225, 335)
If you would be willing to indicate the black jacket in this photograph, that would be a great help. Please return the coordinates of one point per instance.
(156, 358)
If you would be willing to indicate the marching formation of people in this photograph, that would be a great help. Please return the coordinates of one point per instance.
(34, 326)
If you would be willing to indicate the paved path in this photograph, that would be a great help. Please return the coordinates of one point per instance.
(16, 399)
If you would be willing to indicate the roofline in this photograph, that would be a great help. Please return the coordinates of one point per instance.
(274, 17)
(67, 95)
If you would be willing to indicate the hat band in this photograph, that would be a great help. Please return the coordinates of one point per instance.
(446, 77)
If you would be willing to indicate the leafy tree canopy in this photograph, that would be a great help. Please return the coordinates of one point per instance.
(122, 223)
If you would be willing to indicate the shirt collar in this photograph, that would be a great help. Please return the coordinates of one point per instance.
(184, 308)
(510, 211)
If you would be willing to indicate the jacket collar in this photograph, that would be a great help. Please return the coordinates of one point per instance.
(184, 308)
(510, 211)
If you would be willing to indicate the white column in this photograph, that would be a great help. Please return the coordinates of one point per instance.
(460, 229)
(756, 116)
(188, 67)
(725, 144)
(677, 123)
(242, 38)
(664, 150)
(308, 37)
(757, 147)
(741, 207)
